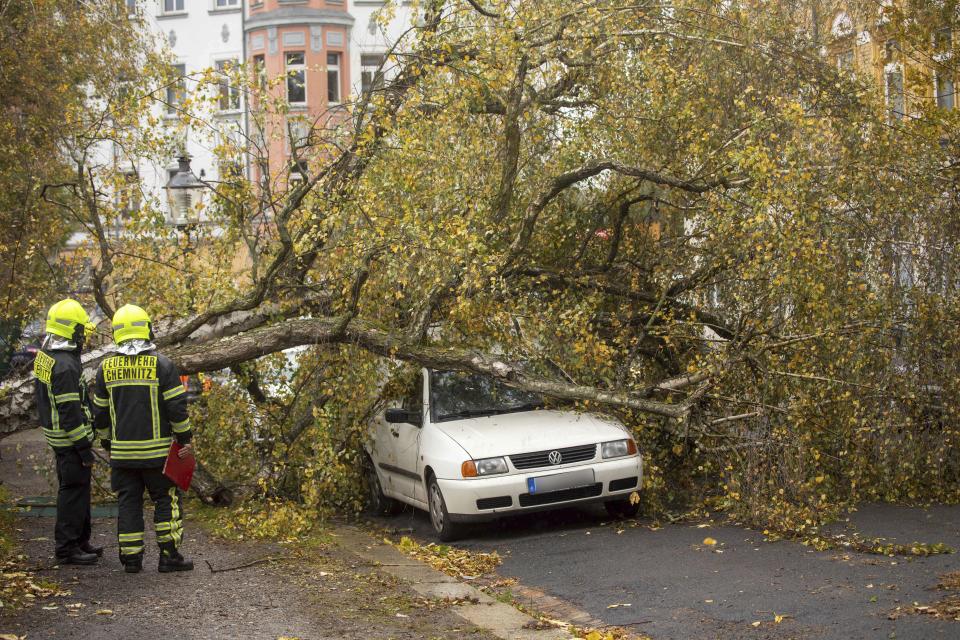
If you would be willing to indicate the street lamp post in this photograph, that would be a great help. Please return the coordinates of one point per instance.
(184, 196)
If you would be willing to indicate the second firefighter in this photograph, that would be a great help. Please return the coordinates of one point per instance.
(140, 407)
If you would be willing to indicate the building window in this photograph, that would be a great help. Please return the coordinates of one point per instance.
(298, 171)
(371, 75)
(944, 87)
(226, 4)
(296, 78)
(173, 6)
(176, 89)
(260, 73)
(845, 61)
(943, 40)
(333, 78)
(229, 99)
(129, 196)
(895, 101)
(299, 131)
(131, 8)
(891, 51)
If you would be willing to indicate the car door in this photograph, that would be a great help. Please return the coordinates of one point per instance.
(384, 453)
(407, 441)
(397, 444)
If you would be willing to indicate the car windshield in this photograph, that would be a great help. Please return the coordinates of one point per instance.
(459, 395)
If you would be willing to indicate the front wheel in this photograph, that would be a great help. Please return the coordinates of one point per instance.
(622, 508)
(378, 503)
(445, 529)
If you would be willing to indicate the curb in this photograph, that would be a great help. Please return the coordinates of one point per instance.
(500, 619)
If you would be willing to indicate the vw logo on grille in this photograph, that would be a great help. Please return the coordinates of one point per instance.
(554, 457)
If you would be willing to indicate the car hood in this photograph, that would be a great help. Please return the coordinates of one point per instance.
(527, 431)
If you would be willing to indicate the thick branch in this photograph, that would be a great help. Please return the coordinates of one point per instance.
(313, 331)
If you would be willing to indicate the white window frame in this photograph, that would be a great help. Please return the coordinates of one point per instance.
(302, 68)
(943, 57)
(225, 5)
(937, 94)
(853, 60)
(173, 12)
(171, 110)
(130, 193)
(296, 173)
(372, 69)
(887, 70)
(259, 69)
(338, 69)
(299, 130)
(233, 91)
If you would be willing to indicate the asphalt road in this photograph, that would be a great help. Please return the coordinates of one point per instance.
(677, 587)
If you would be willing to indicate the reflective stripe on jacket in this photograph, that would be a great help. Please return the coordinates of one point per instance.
(63, 402)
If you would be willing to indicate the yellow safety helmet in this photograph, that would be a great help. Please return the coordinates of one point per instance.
(129, 322)
(65, 317)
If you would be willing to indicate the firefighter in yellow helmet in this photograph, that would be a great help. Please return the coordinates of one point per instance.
(63, 405)
(140, 406)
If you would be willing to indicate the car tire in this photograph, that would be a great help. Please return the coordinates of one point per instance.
(378, 503)
(622, 508)
(445, 529)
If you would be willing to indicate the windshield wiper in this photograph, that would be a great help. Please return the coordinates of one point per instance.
(469, 413)
(529, 406)
(475, 413)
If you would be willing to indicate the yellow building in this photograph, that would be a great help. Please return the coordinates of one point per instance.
(911, 57)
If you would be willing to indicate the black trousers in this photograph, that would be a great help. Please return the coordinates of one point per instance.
(167, 515)
(73, 503)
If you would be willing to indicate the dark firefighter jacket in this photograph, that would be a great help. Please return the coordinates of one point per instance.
(139, 406)
(63, 403)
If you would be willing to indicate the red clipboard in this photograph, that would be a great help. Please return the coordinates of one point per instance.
(178, 469)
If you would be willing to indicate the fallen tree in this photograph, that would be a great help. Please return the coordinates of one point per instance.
(686, 217)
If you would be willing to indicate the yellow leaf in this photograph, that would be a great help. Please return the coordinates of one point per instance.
(777, 618)
(634, 498)
(710, 542)
(104, 612)
(755, 623)
(593, 635)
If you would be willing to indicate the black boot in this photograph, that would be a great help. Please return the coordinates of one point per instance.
(171, 560)
(78, 556)
(132, 563)
(86, 547)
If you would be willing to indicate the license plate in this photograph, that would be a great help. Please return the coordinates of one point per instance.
(558, 481)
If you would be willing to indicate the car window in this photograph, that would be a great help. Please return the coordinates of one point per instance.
(456, 395)
(413, 394)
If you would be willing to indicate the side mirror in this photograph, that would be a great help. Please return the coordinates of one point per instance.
(402, 416)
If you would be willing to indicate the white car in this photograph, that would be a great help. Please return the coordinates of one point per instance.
(468, 448)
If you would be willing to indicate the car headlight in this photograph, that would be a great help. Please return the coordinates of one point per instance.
(490, 466)
(618, 448)
(483, 467)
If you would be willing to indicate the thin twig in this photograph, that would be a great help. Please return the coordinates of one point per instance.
(243, 566)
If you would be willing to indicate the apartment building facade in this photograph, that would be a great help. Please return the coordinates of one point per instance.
(321, 54)
(913, 76)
